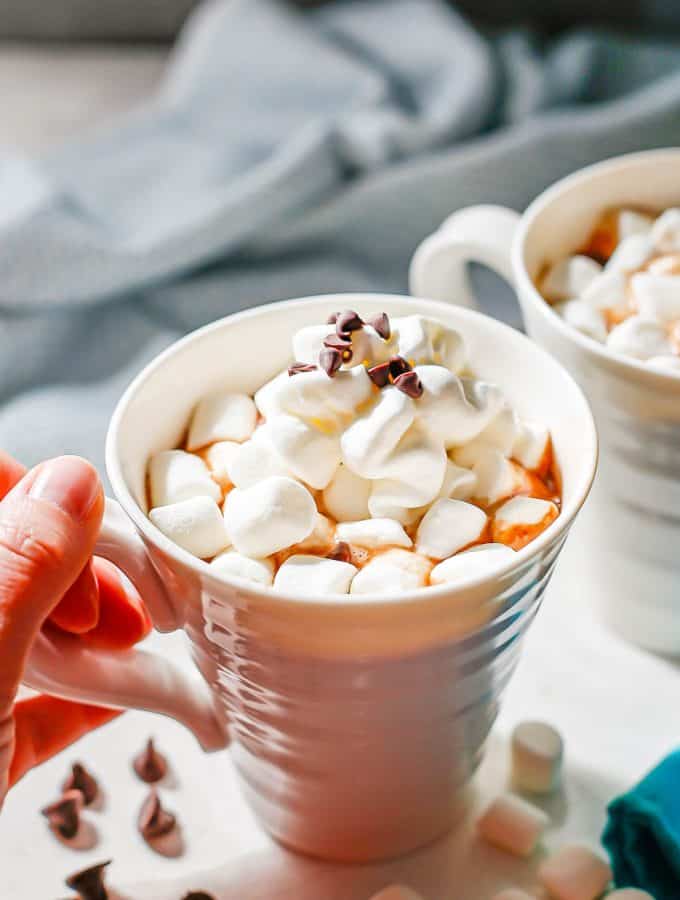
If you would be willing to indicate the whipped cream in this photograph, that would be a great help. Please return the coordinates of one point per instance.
(623, 290)
(376, 463)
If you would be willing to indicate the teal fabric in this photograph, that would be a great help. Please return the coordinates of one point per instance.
(642, 834)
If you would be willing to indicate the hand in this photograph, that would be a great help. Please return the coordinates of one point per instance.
(49, 522)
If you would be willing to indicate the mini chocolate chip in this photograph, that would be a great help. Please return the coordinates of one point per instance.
(64, 814)
(150, 765)
(380, 374)
(298, 367)
(89, 883)
(348, 321)
(341, 551)
(330, 360)
(409, 384)
(332, 319)
(154, 821)
(337, 342)
(198, 895)
(381, 324)
(398, 366)
(81, 780)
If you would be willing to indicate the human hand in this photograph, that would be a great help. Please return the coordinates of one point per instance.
(49, 522)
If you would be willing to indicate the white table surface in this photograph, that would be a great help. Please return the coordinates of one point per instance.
(616, 706)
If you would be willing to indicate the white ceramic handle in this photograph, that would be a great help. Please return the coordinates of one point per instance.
(62, 665)
(482, 234)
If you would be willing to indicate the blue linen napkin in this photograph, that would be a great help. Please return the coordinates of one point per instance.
(642, 834)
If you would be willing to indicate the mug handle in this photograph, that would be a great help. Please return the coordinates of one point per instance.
(63, 666)
(483, 234)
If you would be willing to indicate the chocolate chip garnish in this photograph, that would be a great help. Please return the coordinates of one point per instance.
(154, 821)
(343, 345)
(198, 895)
(150, 765)
(298, 367)
(330, 360)
(341, 551)
(64, 814)
(380, 374)
(398, 366)
(89, 883)
(81, 780)
(381, 324)
(409, 384)
(332, 319)
(348, 321)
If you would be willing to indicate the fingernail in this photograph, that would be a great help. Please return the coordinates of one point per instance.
(69, 483)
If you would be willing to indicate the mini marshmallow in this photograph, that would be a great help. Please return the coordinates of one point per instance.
(420, 339)
(666, 231)
(629, 894)
(607, 291)
(630, 222)
(346, 496)
(657, 296)
(537, 751)
(195, 524)
(391, 573)
(472, 563)
(309, 454)
(631, 253)
(639, 338)
(370, 439)
(531, 445)
(383, 503)
(240, 566)
(320, 539)
(311, 575)
(665, 265)
(512, 824)
(269, 516)
(448, 526)
(497, 477)
(575, 873)
(513, 894)
(519, 520)
(583, 318)
(175, 476)
(256, 460)
(373, 533)
(569, 277)
(218, 458)
(222, 417)
(665, 363)
(396, 892)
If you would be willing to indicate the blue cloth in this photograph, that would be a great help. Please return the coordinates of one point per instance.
(642, 834)
(288, 153)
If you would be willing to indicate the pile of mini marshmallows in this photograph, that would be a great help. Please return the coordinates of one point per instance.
(372, 431)
(632, 303)
(514, 825)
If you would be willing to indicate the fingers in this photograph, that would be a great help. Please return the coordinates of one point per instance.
(123, 620)
(46, 725)
(78, 610)
(10, 472)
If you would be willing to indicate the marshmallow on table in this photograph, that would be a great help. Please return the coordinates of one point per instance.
(448, 526)
(519, 520)
(196, 525)
(575, 873)
(512, 824)
(218, 458)
(657, 296)
(309, 454)
(269, 516)
(392, 572)
(373, 533)
(396, 892)
(310, 575)
(175, 476)
(236, 564)
(513, 894)
(537, 751)
(640, 338)
(583, 318)
(222, 417)
(569, 277)
(531, 445)
(255, 460)
(497, 477)
(666, 231)
(346, 496)
(474, 562)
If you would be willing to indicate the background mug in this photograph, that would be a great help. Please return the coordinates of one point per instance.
(630, 529)
(355, 722)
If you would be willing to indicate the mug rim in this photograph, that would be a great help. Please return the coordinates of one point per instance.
(556, 531)
(626, 367)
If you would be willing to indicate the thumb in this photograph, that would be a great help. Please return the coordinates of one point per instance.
(48, 526)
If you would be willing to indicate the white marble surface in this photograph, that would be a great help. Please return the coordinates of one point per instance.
(614, 704)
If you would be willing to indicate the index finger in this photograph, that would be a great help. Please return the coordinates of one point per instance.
(11, 472)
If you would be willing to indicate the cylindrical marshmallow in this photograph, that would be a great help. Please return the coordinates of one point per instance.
(477, 561)
(448, 526)
(396, 892)
(255, 460)
(575, 873)
(373, 533)
(521, 519)
(221, 416)
(569, 277)
(314, 576)
(584, 318)
(497, 477)
(640, 338)
(269, 516)
(392, 572)
(537, 751)
(175, 476)
(512, 824)
(346, 496)
(195, 525)
(531, 445)
(309, 454)
(236, 564)
(218, 458)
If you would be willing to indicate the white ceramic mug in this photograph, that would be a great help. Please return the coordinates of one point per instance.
(630, 530)
(355, 722)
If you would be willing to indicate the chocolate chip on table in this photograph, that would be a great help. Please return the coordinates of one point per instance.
(82, 780)
(298, 367)
(89, 883)
(154, 821)
(381, 325)
(150, 765)
(64, 814)
(330, 360)
(348, 321)
(398, 366)
(409, 384)
(380, 374)
(340, 551)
